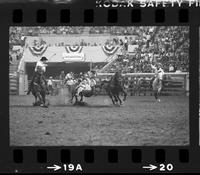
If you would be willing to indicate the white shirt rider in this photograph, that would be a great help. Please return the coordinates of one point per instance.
(40, 64)
(159, 73)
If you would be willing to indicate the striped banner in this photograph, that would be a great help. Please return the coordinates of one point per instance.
(74, 49)
(13, 84)
(38, 50)
(110, 50)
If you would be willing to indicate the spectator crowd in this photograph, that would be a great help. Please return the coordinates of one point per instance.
(167, 45)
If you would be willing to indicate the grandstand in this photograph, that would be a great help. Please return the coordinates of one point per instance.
(167, 45)
(105, 49)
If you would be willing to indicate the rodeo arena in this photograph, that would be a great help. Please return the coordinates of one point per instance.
(104, 85)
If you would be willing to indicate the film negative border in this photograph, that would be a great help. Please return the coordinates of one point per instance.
(112, 16)
(101, 159)
(91, 16)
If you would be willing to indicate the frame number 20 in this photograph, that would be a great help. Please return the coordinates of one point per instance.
(167, 167)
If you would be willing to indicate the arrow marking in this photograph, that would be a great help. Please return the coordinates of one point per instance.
(150, 167)
(54, 167)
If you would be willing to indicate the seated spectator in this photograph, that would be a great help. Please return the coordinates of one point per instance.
(171, 68)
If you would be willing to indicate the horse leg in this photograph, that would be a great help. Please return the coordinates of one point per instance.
(120, 101)
(159, 90)
(115, 97)
(81, 95)
(72, 97)
(76, 98)
(125, 94)
(35, 96)
(40, 97)
(43, 94)
(111, 97)
(156, 95)
(155, 89)
(35, 99)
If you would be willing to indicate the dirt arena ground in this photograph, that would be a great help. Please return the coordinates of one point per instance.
(141, 121)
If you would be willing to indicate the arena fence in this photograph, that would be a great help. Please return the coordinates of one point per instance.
(173, 83)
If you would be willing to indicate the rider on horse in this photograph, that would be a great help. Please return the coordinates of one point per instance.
(38, 77)
(157, 83)
(40, 68)
(117, 87)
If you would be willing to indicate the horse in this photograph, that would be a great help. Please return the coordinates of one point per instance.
(157, 87)
(39, 89)
(114, 87)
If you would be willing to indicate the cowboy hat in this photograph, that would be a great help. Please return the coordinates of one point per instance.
(43, 59)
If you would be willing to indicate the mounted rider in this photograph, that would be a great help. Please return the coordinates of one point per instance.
(159, 72)
(40, 69)
(157, 82)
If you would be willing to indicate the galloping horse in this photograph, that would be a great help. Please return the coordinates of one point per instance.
(114, 87)
(38, 87)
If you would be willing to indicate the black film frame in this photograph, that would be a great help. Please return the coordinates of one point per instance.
(25, 159)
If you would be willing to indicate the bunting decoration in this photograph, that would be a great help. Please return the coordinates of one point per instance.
(38, 50)
(110, 50)
(74, 49)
